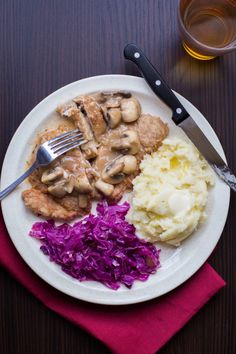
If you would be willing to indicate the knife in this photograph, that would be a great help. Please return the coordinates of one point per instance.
(180, 116)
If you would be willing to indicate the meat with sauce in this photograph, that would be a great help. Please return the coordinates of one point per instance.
(93, 112)
(118, 137)
(79, 118)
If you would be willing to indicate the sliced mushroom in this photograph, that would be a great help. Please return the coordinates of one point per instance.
(128, 143)
(122, 94)
(113, 102)
(113, 117)
(58, 189)
(82, 185)
(52, 174)
(90, 150)
(104, 97)
(105, 188)
(70, 184)
(130, 109)
(130, 164)
(113, 172)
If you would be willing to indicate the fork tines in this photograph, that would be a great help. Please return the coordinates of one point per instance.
(67, 141)
(62, 136)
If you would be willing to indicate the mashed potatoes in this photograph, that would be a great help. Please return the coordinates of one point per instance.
(170, 193)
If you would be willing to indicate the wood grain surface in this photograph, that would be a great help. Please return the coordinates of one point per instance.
(46, 44)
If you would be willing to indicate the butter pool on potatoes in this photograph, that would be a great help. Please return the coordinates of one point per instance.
(170, 194)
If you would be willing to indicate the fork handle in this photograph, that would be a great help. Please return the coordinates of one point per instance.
(12, 186)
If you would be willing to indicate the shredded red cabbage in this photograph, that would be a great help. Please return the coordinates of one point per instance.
(100, 247)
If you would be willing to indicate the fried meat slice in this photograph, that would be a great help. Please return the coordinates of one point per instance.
(35, 180)
(44, 205)
(72, 111)
(152, 131)
(93, 113)
(81, 204)
(120, 189)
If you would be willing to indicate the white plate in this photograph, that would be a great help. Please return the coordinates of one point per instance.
(178, 264)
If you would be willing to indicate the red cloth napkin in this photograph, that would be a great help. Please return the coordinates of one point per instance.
(137, 329)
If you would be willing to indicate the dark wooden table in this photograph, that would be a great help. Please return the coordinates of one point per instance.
(46, 44)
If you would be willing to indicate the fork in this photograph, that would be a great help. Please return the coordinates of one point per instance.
(48, 152)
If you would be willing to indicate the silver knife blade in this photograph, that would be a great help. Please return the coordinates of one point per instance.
(199, 139)
(180, 116)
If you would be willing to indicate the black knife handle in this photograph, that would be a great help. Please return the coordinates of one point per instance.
(156, 82)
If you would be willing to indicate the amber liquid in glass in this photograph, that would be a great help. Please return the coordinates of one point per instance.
(212, 23)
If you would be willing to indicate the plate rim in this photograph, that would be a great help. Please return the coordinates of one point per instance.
(145, 297)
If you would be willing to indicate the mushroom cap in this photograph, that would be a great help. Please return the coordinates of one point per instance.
(82, 185)
(128, 143)
(113, 102)
(52, 174)
(130, 109)
(130, 164)
(58, 189)
(113, 172)
(113, 117)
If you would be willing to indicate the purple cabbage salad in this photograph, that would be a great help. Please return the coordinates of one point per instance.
(100, 247)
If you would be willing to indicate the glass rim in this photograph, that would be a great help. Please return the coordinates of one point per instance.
(211, 50)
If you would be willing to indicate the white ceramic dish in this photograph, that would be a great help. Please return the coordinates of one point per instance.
(178, 264)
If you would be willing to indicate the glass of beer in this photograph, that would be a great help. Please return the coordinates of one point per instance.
(207, 27)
